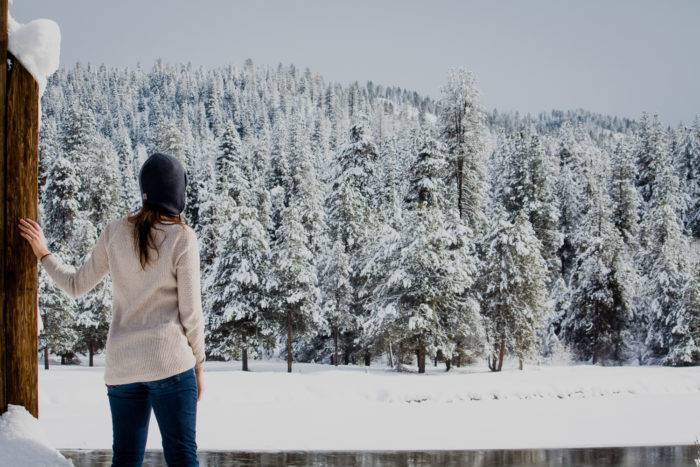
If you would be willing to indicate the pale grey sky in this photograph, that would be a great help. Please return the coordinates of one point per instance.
(619, 57)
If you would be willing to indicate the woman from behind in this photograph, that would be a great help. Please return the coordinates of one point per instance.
(154, 353)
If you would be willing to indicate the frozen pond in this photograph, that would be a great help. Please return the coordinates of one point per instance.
(631, 456)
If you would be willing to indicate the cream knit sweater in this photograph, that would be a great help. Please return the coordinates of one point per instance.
(157, 327)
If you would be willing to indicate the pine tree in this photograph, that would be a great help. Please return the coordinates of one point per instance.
(625, 198)
(424, 301)
(687, 159)
(237, 300)
(61, 208)
(603, 284)
(515, 301)
(652, 154)
(170, 140)
(529, 187)
(351, 220)
(93, 310)
(232, 170)
(463, 130)
(129, 199)
(573, 152)
(336, 290)
(293, 282)
(670, 337)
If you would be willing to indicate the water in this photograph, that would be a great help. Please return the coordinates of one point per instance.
(665, 456)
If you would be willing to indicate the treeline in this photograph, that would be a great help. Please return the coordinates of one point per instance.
(345, 224)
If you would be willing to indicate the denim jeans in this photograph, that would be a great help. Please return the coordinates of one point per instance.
(174, 403)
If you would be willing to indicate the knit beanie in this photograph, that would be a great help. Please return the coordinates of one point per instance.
(163, 180)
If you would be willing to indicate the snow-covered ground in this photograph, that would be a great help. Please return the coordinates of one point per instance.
(353, 408)
(23, 441)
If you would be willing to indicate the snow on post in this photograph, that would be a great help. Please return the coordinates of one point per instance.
(37, 46)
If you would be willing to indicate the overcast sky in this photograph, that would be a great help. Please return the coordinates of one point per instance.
(619, 57)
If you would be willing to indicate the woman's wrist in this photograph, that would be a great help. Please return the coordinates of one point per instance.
(43, 255)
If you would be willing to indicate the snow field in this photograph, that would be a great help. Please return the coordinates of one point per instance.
(352, 408)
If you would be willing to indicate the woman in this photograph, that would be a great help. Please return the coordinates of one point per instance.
(155, 346)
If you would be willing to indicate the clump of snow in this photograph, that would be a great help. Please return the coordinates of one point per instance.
(23, 441)
(37, 46)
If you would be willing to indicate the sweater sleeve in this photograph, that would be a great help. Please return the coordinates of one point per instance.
(76, 282)
(189, 295)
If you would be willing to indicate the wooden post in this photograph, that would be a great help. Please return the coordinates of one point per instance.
(3, 106)
(20, 166)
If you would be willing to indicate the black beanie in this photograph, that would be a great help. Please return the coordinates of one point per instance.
(163, 180)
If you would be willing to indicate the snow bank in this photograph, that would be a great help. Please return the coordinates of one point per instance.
(320, 407)
(23, 441)
(37, 46)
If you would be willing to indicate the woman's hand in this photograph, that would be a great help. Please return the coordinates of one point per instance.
(32, 232)
(199, 373)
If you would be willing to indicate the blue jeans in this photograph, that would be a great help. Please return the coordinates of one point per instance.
(174, 402)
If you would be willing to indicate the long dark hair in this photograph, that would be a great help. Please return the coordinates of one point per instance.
(145, 220)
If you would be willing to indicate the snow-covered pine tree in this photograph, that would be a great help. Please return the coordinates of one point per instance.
(232, 167)
(293, 283)
(463, 128)
(671, 337)
(603, 282)
(336, 295)
(651, 152)
(529, 186)
(237, 297)
(93, 310)
(351, 220)
(61, 206)
(515, 301)
(129, 199)
(49, 146)
(306, 190)
(687, 159)
(624, 195)
(170, 140)
(423, 301)
(100, 205)
(573, 150)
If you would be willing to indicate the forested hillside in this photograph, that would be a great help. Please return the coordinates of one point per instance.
(345, 224)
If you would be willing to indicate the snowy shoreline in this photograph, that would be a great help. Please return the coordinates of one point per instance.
(321, 408)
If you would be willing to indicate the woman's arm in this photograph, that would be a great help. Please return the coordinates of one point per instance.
(189, 295)
(72, 281)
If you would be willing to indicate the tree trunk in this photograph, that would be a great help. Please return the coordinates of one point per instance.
(368, 359)
(391, 356)
(520, 364)
(336, 355)
(420, 352)
(91, 349)
(448, 364)
(501, 354)
(244, 359)
(460, 183)
(46, 357)
(289, 341)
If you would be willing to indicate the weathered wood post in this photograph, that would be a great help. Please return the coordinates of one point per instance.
(3, 106)
(20, 164)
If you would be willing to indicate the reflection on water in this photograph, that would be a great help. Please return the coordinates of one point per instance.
(628, 457)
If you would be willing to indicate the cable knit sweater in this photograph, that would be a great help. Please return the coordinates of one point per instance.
(157, 327)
